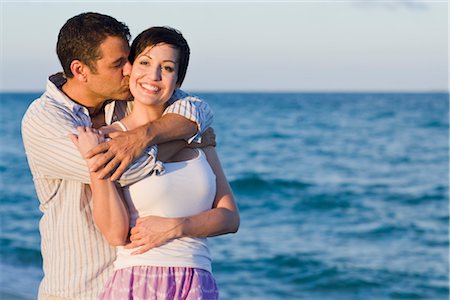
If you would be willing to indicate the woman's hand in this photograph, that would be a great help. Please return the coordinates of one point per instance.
(87, 139)
(153, 231)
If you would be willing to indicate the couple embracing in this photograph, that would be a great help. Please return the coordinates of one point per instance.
(125, 169)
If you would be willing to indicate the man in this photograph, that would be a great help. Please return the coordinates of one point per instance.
(93, 51)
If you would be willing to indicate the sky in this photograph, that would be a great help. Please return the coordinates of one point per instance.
(256, 46)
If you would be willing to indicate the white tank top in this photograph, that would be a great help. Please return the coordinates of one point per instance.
(185, 189)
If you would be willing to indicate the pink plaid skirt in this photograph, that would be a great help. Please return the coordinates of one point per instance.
(148, 282)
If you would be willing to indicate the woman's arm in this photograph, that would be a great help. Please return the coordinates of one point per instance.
(223, 218)
(109, 210)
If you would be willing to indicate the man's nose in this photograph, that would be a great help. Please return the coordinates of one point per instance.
(127, 69)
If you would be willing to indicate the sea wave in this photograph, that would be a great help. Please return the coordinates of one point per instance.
(436, 124)
(255, 183)
(15, 254)
(439, 194)
(326, 201)
(314, 274)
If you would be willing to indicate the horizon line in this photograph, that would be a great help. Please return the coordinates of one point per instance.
(342, 91)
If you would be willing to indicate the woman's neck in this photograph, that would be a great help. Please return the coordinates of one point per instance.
(142, 114)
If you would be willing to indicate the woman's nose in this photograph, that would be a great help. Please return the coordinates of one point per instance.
(155, 73)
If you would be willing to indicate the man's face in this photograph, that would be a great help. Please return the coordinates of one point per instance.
(110, 81)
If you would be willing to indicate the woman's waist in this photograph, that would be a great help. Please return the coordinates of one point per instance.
(187, 252)
(182, 247)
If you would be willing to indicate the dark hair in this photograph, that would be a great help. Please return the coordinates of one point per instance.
(156, 35)
(81, 36)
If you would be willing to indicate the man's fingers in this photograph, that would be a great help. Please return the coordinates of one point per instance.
(115, 134)
(116, 175)
(109, 168)
(101, 161)
(100, 148)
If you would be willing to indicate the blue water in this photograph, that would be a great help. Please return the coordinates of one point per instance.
(342, 196)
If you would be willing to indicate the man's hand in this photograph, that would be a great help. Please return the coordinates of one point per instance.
(119, 152)
(208, 139)
(153, 231)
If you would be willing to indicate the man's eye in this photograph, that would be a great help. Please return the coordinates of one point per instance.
(143, 62)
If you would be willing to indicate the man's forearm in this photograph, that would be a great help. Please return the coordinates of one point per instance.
(126, 147)
(169, 149)
(169, 127)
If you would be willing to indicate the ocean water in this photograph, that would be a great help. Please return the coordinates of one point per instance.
(342, 196)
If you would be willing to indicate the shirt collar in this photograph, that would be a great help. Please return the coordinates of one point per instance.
(54, 91)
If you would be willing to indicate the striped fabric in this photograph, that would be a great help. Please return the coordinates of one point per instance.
(194, 109)
(77, 261)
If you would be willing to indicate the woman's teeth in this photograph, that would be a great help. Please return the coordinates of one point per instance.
(150, 87)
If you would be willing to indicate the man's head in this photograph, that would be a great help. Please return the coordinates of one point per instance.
(163, 35)
(81, 36)
(93, 48)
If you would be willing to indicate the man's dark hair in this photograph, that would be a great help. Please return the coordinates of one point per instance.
(157, 35)
(81, 36)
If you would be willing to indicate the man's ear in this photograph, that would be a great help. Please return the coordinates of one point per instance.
(79, 70)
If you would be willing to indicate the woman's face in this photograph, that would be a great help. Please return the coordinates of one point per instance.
(154, 74)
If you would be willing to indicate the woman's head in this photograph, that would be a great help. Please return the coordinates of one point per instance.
(163, 35)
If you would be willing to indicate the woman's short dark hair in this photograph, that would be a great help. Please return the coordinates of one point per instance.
(81, 36)
(157, 35)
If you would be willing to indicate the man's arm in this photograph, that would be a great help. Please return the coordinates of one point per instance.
(223, 218)
(186, 118)
(44, 133)
(45, 136)
(169, 149)
(125, 147)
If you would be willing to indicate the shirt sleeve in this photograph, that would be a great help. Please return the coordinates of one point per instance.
(134, 172)
(192, 108)
(54, 156)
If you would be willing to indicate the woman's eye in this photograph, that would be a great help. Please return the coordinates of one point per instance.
(144, 62)
(168, 69)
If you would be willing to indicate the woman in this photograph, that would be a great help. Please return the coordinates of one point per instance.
(193, 182)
